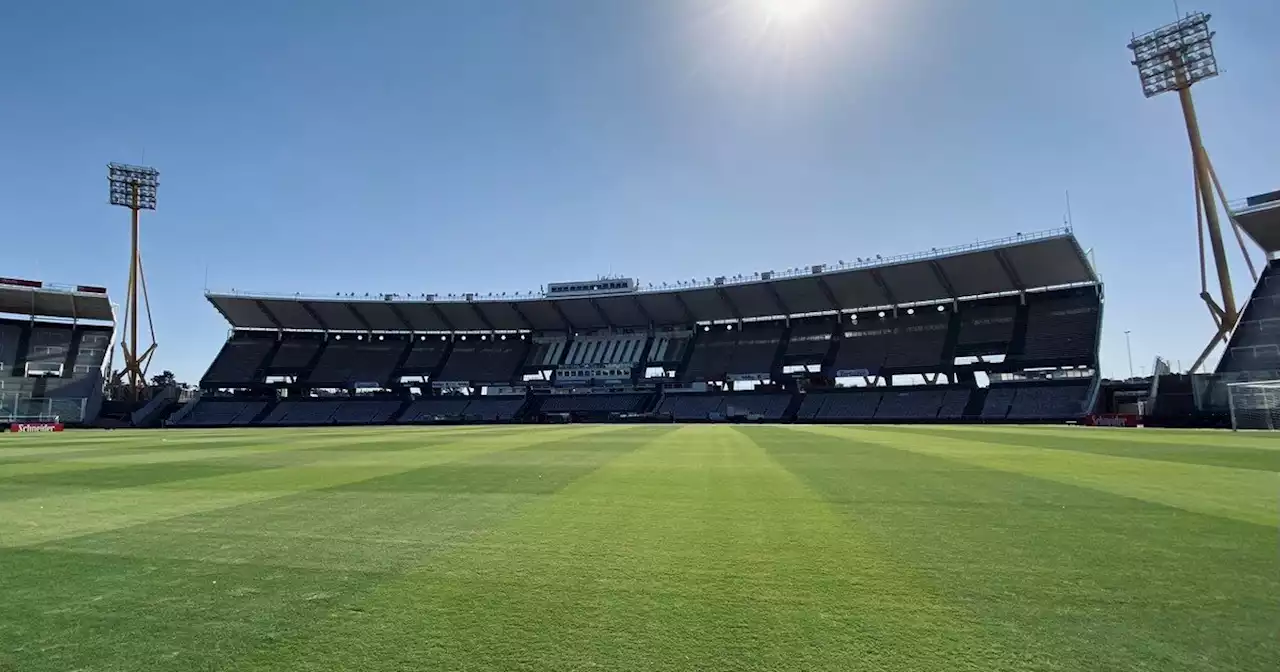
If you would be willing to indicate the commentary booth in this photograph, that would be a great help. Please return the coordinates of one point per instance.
(55, 352)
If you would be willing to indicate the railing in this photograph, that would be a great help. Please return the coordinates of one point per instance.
(860, 264)
(183, 412)
(16, 407)
(162, 398)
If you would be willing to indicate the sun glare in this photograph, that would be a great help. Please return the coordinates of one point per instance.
(790, 13)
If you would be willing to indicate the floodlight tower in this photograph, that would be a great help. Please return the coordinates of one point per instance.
(1173, 58)
(134, 187)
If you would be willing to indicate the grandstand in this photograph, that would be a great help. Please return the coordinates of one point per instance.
(55, 346)
(1252, 353)
(991, 332)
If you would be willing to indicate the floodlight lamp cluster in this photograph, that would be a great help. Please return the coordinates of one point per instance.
(133, 186)
(1175, 56)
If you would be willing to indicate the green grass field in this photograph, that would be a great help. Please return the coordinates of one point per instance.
(640, 548)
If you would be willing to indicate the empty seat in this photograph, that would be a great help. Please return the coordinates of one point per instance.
(594, 403)
(47, 350)
(293, 355)
(809, 342)
(484, 361)
(919, 404)
(858, 405)
(1049, 401)
(350, 362)
(365, 411)
(214, 412)
(239, 361)
(1062, 329)
(424, 355)
(91, 352)
(302, 413)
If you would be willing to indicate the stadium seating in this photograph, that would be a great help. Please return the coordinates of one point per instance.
(862, 351)
(215, 412)
(771, 406)
(916, 404)
(1062, 329)
(1049, 401)
(347, 362)
(756, 351)
(47, 350)
(689, 407)
(584, 348)
(595, 403)
(954, 403)
(990, 326)
(91, 352)
(307, 412)
(999, 399)
(424, 356)
(493, 409)
(294, 355)
(10, 338)
(365, 412)
(1255, 345)
(463, 408)
(547, 351)
(809, 342)
(669, 347)
(435, 409)
(239, 361)
(719, 353)
(917, 344)
(842, 406)
(626, 349)
(484, 361)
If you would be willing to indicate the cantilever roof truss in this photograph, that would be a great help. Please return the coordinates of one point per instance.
(1019, 265)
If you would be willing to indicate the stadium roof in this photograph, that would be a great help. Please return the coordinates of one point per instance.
(1259, 216)
(39, 299)
(1020, 263)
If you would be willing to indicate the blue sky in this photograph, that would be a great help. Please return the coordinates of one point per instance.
(496, 145)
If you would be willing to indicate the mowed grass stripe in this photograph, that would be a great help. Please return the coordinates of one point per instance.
(1132, 436)
(697, 552)
(1073, 577)
(1247, 495)
(380, 524)
(40, 519)
(1111, 442)
(206, 590)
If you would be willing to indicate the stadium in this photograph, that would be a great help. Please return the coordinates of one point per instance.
(900, 462)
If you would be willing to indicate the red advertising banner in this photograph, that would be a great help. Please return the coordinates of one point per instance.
(21, 283)
(1112, 420)
(36, 427)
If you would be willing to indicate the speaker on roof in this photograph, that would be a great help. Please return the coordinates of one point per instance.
(767, 275)
(720, 280)
(818, 269)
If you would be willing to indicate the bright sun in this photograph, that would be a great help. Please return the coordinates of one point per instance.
(789, 13)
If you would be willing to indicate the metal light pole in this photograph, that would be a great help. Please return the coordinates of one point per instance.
(1173, 58)
(1129, 347)
(134, 187)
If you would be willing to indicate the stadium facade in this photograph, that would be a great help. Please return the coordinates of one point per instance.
(55, 350)
(1000, 331)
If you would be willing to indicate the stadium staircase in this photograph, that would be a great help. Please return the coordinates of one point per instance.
(181, 414)
(977, 401)
(1018, 340)
(793, 408)
(24, 342)
(149, 415)
(69, 363)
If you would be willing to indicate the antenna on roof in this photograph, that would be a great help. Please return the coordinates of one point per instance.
(1068, 221)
